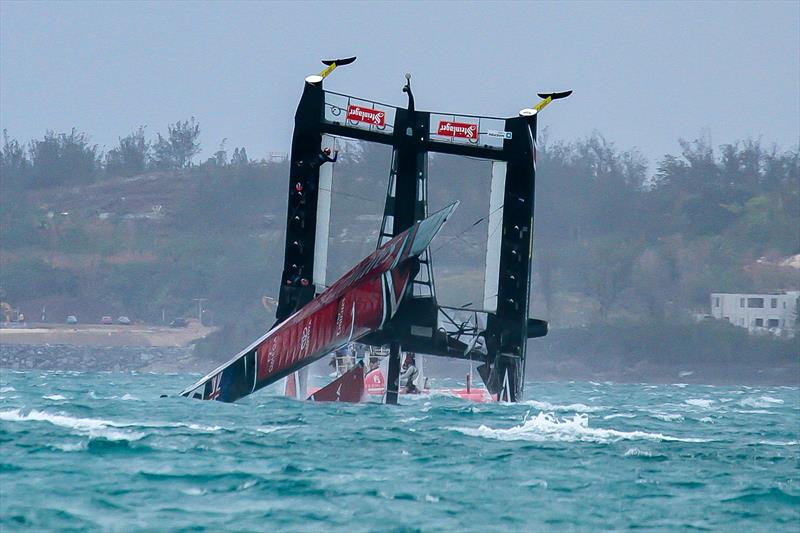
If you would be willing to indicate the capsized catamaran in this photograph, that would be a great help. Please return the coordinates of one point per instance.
(360, 302)
(366, 303)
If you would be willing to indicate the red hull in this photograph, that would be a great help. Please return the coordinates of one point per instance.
(349, 387)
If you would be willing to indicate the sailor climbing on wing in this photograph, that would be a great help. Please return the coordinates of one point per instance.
(410, 373)
(325, 157)
(302, 186)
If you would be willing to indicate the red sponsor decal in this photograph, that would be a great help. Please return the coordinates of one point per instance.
(458, 129)
(357, 113)
(375, 383)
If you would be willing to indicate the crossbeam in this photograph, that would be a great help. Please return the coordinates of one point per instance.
(413, 134)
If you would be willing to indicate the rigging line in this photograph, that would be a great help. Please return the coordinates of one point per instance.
(454, 237)
(370, 200)
(495, 231)
(459, 236)
(470, 228)
(498, 226)
(496, 210)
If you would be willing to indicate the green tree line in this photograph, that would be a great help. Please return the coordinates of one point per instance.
(71, 159)
(706, 220)
(615, 234)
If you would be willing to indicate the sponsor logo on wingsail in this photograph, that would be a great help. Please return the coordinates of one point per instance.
(340, 318)
(499, 134)
(375, 117)
(463, 130)
(305, 338)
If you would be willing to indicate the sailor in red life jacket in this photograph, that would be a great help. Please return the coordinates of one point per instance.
(302, 187)
(410, 374)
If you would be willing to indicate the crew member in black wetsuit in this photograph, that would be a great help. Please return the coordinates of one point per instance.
(410, 374)
(302, 187)
(325, 157)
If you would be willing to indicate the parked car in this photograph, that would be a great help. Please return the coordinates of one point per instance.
(107, 320)
(72, 319)
(178, 323)
(125, 321)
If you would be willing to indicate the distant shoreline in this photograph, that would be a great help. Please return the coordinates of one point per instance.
(540, 367)
(100, 335)
(100, 358)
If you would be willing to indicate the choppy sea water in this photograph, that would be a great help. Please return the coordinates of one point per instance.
(102, 451)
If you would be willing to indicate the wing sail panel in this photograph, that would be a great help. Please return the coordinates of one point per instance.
(354, 306)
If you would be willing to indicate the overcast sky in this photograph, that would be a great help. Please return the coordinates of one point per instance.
(644, 74)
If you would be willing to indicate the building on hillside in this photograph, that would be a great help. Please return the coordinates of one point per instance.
(775, 313)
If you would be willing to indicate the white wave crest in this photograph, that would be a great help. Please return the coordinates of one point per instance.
(535, 483)
(668, 417)
(572, 407)
(700, 402)
(7, 389)
(92, 427)
(128, 397)
(547, 427)
(637, 452)
(779, 443)
(197, 427)
(70, 447)
(619, 415)
(760, 402)
(268, 430)
(54, 397)
(273, 429)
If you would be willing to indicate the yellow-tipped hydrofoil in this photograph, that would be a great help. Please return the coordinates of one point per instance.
(331, 65)
(546, 99)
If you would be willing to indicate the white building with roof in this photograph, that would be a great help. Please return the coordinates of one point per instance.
(759, 313)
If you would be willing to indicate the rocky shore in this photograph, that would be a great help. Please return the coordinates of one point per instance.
(100, 358)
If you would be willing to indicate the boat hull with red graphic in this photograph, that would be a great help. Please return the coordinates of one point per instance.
(375, 386)
(349, 387)
(360, 302)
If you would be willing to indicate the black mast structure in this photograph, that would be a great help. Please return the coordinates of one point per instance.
(497, 335)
